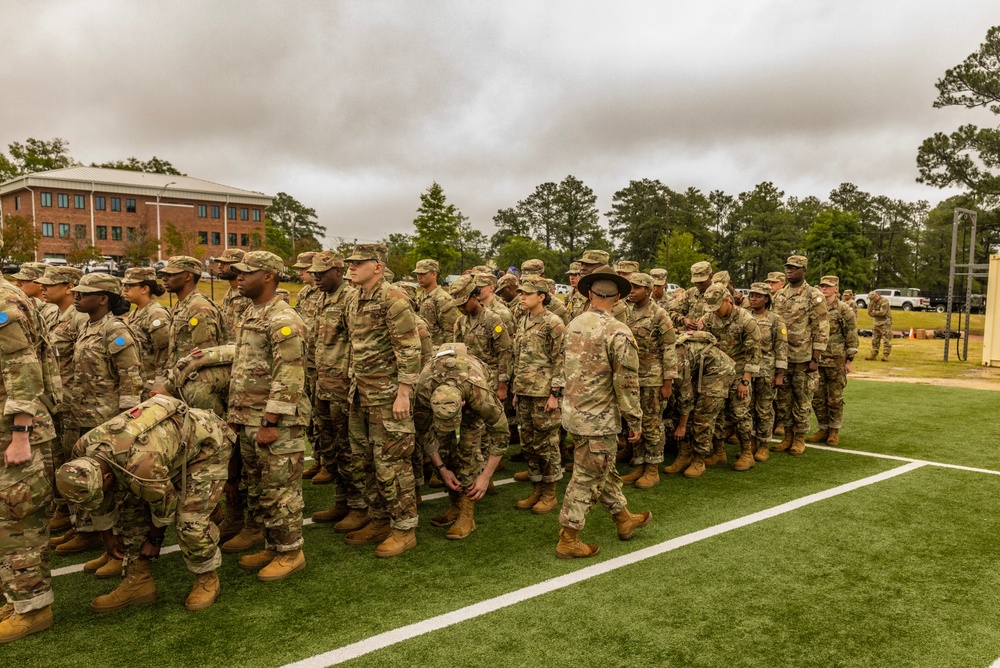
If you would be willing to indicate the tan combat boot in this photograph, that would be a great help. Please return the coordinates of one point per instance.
(649, 478)
(763, 453)
(245, 540)
(683, 460)
(82, 541)
(627, 522)
(257, 560)
(872, 356)
(571, 547)
(547, 501)
(323, 477)
(528, 503)
(92, 565)
(637, 472)
(466, 522)
(111, 570)
(779, 430)
(798, 445)
(311, 472)
(696, 468)
(355, 520)
(204, 592)
(137, 587)
(786, 442)
(375, 531)
(885, 358)
(819, 436)
(745, 461)
(59, 521)
(523, 476)
(55, 541)
(435, 482)
(334, 513)
(16, 625)
(6, 610)
(282, 566)
(833, 438)
(398, 542)
(448, 517)
(233, 523)
(718, 456)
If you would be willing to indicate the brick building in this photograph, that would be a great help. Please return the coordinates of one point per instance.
(109, 208)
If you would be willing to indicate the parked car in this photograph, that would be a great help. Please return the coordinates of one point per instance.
(671, 287)
(55, 261)
(562, 289)
(908, 299)
(10, 267)
(938, 301)
(107, 265)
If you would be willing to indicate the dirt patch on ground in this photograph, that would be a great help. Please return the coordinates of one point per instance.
(969, 383)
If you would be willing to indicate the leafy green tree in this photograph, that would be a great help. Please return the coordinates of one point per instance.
(727, 228)
(401, 257)
(578, 227)
(473, 246)
(20, 238)
(437, 229)
(152, 166)
(82, 254)
(139, 247)
(297, 222)
(181, 242)
(509, 223)
(542, 213)
(639, 220)
(34, 155)
(518, 249)
(835, 245)
(684, 252)
(277, 240)
(767, 233)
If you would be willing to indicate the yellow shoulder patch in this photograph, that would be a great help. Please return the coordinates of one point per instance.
(286, 331)
(784, 331)
(498, 329)
(193, 322)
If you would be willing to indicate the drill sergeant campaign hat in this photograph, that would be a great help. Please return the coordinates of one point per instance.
(597, 257)
(231, 256)
(80, 481)
(328, 259)
(797, 261)
(830, 281)
(30, 271)
(700, 272)
(361, 252)
(446, 404)
(461, 289)
(760, 289)
(58, 275)
(714, 296)
(137, 275)
(98, 282)
(659, 276)
(425, 266)
(641, 280)
(604, 273)
(304, 260)
(178, 263)
(532, 267)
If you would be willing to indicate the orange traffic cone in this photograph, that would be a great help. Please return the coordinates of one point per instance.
(911, 336)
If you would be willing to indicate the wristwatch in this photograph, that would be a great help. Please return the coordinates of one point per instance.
(744, 382)
(23, 427)
(556, 392)
(264, 422)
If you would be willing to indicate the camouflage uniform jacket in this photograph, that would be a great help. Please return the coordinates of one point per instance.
(853, 304)
(49, 313)
(308, 304)
(559, 309)
(516, 310)
(63, 338)
(843, 335)
(233, 305)
(803, 310)
(690, 306)
(150, 325)
(107, 371)
(149, 448)
(203, 382)
(486, 337)
(572, 301)
(773, 344)
(385, 343)
(668, 302)
(538, 350)
(473, 379)
(440, 314)
(195, 322)
(333, 346)
(601, 364)
(738, 336)
(880, 311)
(497, 306)
(656, 338)
(426, 345)
(268, 374)
(620, 312)
(703, 369)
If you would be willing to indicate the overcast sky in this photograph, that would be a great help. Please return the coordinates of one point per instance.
(355, 108)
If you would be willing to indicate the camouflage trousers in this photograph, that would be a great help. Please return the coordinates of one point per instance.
(332, 447)
(594, 479)
(795, 398)
(25, 501)
(382, 462)
(701, 423)
(737, 415)
(828, 400)
(882, 332)
(465, 457)
(61, 452)
(419, 457)
(649, 448)
(274, 485)
(763, 407)
(539, 438)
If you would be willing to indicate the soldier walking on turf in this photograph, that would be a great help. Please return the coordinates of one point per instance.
(773, 364)
(881, 314)
(834, 365)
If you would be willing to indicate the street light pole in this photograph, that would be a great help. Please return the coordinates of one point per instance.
(159, 236)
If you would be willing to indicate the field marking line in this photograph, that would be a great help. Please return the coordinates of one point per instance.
(879, 455)
(395, 636)
(170, 549)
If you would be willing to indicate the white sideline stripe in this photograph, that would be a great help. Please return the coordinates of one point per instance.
(170, 549)
(995, 664)
(410, 631)
(879, 455)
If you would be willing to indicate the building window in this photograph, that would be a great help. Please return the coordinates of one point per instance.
(46, 199)
(47, 229)
(130, 233)
(78, 202)
(216, 238)
(17, 202)
(202, 211)
(130, 206)
(116, 233)
(244, 239)
(62, 200)
(99, 203)
(64, 230)
(215, 212)
(244, 214)
(232, 238)
(256, 215)
(102, 232)
(116, 204)
(231, 212)
(203, 238)
(81, 231)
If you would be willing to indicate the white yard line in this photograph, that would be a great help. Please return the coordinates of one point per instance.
(401, 634)
(879, 455)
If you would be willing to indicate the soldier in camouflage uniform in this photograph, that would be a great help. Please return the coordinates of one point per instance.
(625, 268)
(201, 379)
(656, 337)
(834, 365)
(602, 374)
(573, 276)
(195, 321)
(487, 283)
(803, 310)
(689, 309)
(269, 411)
(27, 432)
(661, 297)
(149, 322)
(27, 279)
(881, 314)
(556, 306)
(456, 390)
(591, 261)
(737, 335)
(775, 280)
(533, 268)
(233, 304)
(773, 364)
(433, 302)
(385, 358)
(507, 290)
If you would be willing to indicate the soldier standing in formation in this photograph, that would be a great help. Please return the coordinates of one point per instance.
(689, 309)
(149, 322)
(434, 303)
(233, 303)
(881, 314)
(27, 279)
(848, 298)
(773, 364)
(834, 365)
(195, 321)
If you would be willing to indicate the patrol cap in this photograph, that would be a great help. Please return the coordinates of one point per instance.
(231, 255)
(574, 268)
(260, 261)
(659, 276)
(424, 266)
(760, 289)
(80, 481)
(486, 278)
(714, 296)
(98, 282)
(30, 271)
(797, 261)
(58, 275)
(722, 278)
(325, 261)
(507, 280)
(533, 266)
(533, 284)
(848, 293)
(462, 288)
(700, 271)
(776, 277)
(593, 256)
(642, 280)
(830, 281)
(481, 269)
(446, 404)
(137, 275)
(178, 263)
(377, 252)
(872, 296)
(304, 260)
(604, 273)
(627, 266)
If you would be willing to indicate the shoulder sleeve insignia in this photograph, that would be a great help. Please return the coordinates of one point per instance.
(4, 318)
(784, 331)
(157, 322)
(286, 331)
(119, 340)
(193, 322)
(498, 329)
(819, 299)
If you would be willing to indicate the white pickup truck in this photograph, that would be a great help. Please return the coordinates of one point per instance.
(908, 299)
